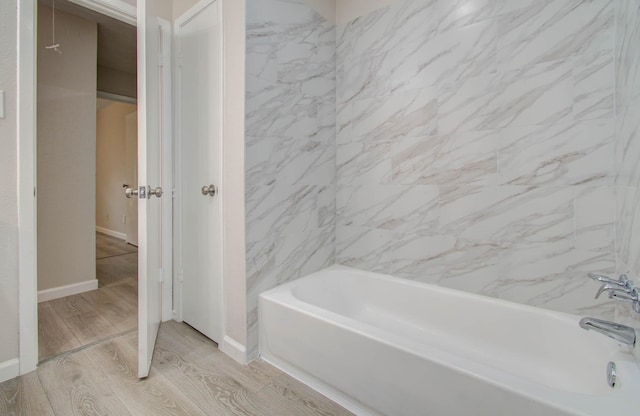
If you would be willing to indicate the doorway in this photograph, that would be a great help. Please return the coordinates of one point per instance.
(87, 270)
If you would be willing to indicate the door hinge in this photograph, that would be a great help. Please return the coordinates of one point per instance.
(180, 277)
(160, 275)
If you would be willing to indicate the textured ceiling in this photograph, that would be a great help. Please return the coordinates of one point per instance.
(117, 47)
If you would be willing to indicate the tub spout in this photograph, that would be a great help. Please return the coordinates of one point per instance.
(620, 333)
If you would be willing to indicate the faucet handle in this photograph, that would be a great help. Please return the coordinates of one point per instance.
(623, 296)
(623, 280)
(600, 278)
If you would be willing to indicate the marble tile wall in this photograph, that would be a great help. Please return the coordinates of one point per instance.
(290, 147)
(627, 130)
(478, 148)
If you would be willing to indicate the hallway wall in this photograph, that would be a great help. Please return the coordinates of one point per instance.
(111, 166)
(66, 151)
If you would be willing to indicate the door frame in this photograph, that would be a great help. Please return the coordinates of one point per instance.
(27, 196)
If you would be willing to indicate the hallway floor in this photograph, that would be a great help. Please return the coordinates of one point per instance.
(72, 322)
(189, 376)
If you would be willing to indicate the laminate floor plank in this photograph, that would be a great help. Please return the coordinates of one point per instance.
(184, 336)
(107, 246)
(112, 270)
(54, 336)
(126, 291)
(75, 387)
(83, 319)
(308, 401)
(24, 396)
(189, 376)
(151, 396)
(209, 388)
(71, 322)
(71, 305)
(115, 309)
(204, 352)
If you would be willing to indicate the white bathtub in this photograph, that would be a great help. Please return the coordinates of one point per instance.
(385, 346)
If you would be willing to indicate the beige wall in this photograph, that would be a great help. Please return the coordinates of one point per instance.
(111, 167)
(8, 178)
(233, 175)
(181, 6)
(66, 151)
(117, 82)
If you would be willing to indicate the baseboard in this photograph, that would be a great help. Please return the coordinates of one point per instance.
(235, 350)
(9, 369)
(68, 290)
(116, 234)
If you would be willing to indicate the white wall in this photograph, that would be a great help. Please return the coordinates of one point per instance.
(8, 178)
(66, 150)
(111, 166)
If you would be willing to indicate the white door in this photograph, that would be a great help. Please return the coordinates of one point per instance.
(131, 175)
(198, 45)
(150, 40)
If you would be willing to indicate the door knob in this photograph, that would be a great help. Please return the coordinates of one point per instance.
(208, 190)
(157, 192)
(130, 192)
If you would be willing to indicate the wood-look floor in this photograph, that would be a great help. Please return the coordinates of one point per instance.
(189, 376)
(74, 321)
(89, 346)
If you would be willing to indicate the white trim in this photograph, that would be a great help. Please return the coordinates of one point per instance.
(112, 8)
(166, 167)
(67, 290)
(9, 369)
(235, 350)
(27, 266)
(176, 190)
(111, 233)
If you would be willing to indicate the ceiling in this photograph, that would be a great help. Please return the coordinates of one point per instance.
(117, 47)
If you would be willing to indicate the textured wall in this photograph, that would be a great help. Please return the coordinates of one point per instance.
(627, 127)
(476, 147)
(66, 151)
(8, 185)
(289, 146)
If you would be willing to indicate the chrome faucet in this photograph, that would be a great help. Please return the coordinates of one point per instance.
(621, 289)
(620, 333)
